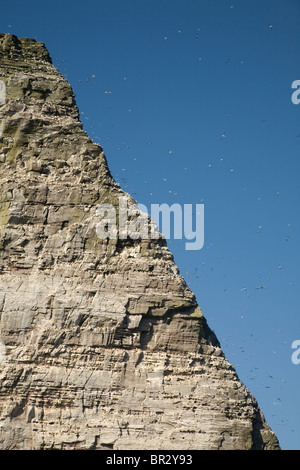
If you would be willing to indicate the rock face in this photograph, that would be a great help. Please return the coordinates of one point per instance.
(105, 345)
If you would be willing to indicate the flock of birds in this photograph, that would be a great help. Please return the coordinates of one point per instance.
(253, 372)
(124, 145)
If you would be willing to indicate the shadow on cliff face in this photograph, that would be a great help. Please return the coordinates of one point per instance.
(262, 439)
(159, 333)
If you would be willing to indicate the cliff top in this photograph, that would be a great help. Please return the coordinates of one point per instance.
(22, 49)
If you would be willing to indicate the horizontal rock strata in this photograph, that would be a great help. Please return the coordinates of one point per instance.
(105, 345)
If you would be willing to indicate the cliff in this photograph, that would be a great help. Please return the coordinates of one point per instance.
(105, 345)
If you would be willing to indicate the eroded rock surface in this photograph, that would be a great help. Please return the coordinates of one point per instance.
(106, 347)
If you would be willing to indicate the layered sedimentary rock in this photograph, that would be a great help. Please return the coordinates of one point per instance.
(105, 345)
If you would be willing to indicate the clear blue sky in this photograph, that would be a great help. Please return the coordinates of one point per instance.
(158, 76)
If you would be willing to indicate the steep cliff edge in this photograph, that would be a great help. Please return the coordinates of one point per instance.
(105, 345)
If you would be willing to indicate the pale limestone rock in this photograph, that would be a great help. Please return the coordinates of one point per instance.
(106, 347)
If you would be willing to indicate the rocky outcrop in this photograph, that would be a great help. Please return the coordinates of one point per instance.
(105, 345)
